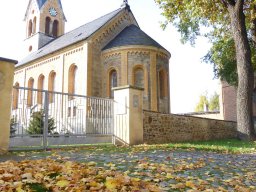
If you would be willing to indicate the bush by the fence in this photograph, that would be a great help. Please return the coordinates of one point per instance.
(36, 124)
(13, 126)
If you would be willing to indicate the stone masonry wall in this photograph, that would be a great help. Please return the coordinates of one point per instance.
(163, 103)
(164, 128)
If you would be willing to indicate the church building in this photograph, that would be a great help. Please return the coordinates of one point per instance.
(110, 51)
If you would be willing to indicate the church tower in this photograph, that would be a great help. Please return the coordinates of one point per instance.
(45, 21)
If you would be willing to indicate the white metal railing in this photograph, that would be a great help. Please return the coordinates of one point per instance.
(41, 116)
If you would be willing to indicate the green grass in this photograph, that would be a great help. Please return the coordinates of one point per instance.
(232, 146)
(224, 146)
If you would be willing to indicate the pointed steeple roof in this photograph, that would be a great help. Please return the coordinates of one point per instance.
(40, 4)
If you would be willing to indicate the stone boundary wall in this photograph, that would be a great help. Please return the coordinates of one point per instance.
(217, 116)
(165, 128)
(205, 114)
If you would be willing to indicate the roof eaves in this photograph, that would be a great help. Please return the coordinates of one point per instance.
(27, 10)
(25, 61)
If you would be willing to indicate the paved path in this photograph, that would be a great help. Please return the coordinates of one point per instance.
(172, 170)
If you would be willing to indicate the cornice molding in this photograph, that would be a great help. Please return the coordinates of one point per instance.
(136, 49)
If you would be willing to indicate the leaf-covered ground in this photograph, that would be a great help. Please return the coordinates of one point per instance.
(141, 168)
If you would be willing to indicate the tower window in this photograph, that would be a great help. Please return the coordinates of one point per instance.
(34, 25)
(30, 28)
(47, 25)
(30, 48)
(55, 28)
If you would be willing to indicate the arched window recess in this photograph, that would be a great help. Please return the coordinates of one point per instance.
(112, 82)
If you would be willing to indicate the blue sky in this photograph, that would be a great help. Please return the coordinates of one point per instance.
(189, 77)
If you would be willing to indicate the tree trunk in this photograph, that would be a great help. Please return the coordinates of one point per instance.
(245, 125)
(254, 31)
(254, 27)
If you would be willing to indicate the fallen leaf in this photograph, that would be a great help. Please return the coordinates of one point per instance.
(92, 163)
(7, 177)
(169, 176)
(190, 184)
(19, 189)
(62, 183)
(27, 176)
(111, 183)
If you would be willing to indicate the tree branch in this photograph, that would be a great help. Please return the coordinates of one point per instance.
(231, 2)
(228, 2)
(239, 5)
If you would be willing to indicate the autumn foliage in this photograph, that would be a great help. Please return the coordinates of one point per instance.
(55, 176)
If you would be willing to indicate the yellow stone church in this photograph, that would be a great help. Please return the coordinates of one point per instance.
(110, 51)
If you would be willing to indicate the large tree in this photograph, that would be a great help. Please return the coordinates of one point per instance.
(225, 19)
(223, 57)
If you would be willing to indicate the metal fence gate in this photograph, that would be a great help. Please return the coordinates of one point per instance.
(42, 119)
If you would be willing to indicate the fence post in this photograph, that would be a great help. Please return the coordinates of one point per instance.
(6, 83)
(46, 117)
(128, 115)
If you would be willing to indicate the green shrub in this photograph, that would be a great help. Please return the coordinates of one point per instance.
(36, 124)
(13, 126)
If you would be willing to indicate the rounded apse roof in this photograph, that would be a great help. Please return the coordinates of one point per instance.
(132, 35)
